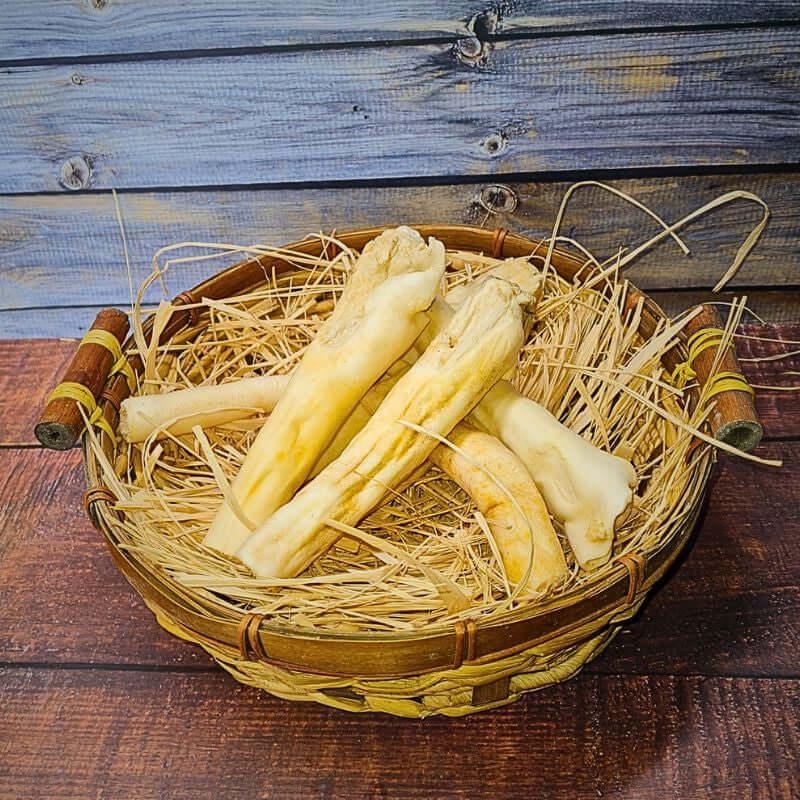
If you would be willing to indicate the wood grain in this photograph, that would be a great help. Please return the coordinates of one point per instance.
(29, 371)
(67, 250)
(63, 598)
(722, 97)
(770, 305)
(732, 608)
(109, 735)
(58, 30)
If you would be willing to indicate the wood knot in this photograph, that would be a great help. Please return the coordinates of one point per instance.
(76, 173)
(494, 144)
(498, 199)
(77, 79)
(100, 5)
(471, 51)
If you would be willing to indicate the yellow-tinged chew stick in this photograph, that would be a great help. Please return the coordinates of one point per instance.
(207, 406)
(584, 487)
(379, 315)
(482, 463)
(480, 344)
(514, 510)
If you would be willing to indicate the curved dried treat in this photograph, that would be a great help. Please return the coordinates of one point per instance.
(516, 513)
(584, 487)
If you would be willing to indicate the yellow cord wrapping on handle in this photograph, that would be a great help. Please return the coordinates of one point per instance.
(727, 382)
(70, 390)
(698, 342)
(111, 343)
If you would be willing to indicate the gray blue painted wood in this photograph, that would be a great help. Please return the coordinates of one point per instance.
(55, 29)
(586, 103)
(67, 250)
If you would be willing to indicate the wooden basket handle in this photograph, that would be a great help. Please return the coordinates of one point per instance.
(733, 419)
(98, 355)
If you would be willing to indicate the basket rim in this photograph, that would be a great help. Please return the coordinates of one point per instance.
(501, 635)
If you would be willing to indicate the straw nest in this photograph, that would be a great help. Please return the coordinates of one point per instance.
(425, 558)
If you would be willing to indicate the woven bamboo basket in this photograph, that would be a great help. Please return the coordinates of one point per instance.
(466, 667)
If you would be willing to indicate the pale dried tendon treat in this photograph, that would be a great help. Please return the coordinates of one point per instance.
(207, 406)
(584, 487)
(479, 345)
(515, 270)
(499, 486)
(506, 495)
(379, 315)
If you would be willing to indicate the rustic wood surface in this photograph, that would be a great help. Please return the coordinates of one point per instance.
(45, 254)
(121, 734)
(605, 101)
(59, 30)
(698, 697)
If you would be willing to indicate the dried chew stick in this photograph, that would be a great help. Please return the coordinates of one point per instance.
(585, 488)
(480, 344)
(514, 510)
(379, 315)
(207, 406)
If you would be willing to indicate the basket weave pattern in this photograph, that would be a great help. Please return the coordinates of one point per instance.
(454, 672)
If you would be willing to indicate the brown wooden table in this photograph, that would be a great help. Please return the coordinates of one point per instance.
(698, 698)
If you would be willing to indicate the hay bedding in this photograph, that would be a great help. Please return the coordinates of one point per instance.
(426, 554)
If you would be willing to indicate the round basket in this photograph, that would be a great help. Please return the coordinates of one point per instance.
(460, 669)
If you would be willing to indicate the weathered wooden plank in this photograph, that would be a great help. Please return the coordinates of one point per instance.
(61, 592)
(51, 29)
(67, 250)
(30, 368)
(119, 735)
(773, 306)
(28, 372)
(732, 608)
(723, 97)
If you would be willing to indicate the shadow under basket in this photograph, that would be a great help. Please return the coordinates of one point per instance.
(470, 666)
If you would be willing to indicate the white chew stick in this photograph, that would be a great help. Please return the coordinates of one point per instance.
(479, 345)
(584, 487)
(206, 406)
(379, 315)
